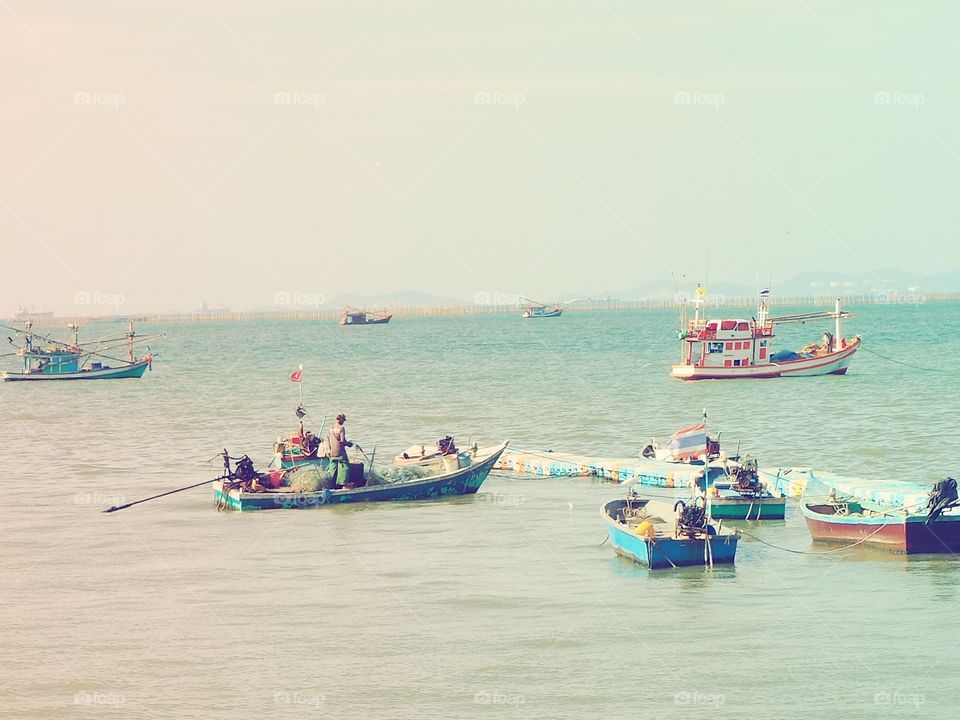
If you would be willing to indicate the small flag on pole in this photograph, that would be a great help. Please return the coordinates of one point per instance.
(296, 375)
(689, 442)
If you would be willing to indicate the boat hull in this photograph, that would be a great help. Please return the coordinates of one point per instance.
(666, 552)
(461, 482)
(134, 370)
(835, 363)
(748, 508)
(370, 321)
(905, 534)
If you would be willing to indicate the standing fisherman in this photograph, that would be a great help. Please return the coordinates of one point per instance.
(338, 444)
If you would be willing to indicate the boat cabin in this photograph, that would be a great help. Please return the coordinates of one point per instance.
(51, 361)
(728, 343)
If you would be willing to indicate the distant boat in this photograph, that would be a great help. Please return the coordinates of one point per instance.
(654, 534)
(23, 313)
(741, 348)
(534, 309)
(852, 520)
(239, 493)
(68, 361)
(364, 317)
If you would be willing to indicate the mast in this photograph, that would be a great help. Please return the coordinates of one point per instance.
(836, 337)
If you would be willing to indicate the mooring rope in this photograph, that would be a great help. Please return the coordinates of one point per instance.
(816, 552)
(900, 362)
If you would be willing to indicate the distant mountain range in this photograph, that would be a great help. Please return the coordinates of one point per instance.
(808, 284)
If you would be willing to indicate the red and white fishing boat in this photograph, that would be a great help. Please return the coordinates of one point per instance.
(741, 348)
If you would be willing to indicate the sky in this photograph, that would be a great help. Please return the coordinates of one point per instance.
(255, 153)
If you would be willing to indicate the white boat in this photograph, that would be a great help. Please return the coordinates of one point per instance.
(741, 348)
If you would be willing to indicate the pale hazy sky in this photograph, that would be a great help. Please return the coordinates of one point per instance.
(168, 152)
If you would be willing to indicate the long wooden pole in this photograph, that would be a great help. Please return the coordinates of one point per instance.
(154, 497)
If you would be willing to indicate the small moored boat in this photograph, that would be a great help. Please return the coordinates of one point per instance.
(741, 495)
(364, 317)
(69, 361)
(658, 535)
(247, 490)
(851, 520)
(534, 309)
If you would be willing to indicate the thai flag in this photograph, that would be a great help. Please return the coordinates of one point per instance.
(765, 293)
(689, 443)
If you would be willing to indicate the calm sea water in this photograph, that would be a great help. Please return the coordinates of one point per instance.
(501, 605)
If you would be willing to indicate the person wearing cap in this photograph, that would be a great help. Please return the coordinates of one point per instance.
(337, 443)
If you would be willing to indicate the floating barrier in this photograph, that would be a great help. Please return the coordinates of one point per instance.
(644, 471)
(804, 482)
(792, 482)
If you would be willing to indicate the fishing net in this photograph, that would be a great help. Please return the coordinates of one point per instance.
(308, 478)
(399, 473)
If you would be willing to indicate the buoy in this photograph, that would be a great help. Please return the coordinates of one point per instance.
(645, 530)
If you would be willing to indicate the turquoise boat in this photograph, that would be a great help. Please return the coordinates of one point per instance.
(232, 494)
(741, 495)
(656, 535)
(68, 361)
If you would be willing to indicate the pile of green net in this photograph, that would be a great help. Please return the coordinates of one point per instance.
(398, 473)
(307, 478)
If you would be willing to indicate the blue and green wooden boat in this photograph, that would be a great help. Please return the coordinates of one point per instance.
(69, 361)
(651, 533)
(231, 495)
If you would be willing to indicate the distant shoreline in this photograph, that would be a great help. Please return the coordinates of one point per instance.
(712, 304)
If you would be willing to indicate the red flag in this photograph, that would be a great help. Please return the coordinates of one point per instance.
(296, 375)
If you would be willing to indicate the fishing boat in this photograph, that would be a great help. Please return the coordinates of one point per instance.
(740, 494)
(741, 348)
(851, 520)
(534, 309)
(69, 361)
(655, 534)
(244, 489)
(364, 317)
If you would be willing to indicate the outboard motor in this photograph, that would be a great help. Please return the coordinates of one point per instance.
(691, 520)
(747, 480)
(942, 497)
(244, 470)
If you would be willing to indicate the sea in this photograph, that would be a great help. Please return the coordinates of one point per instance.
(507, 604)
